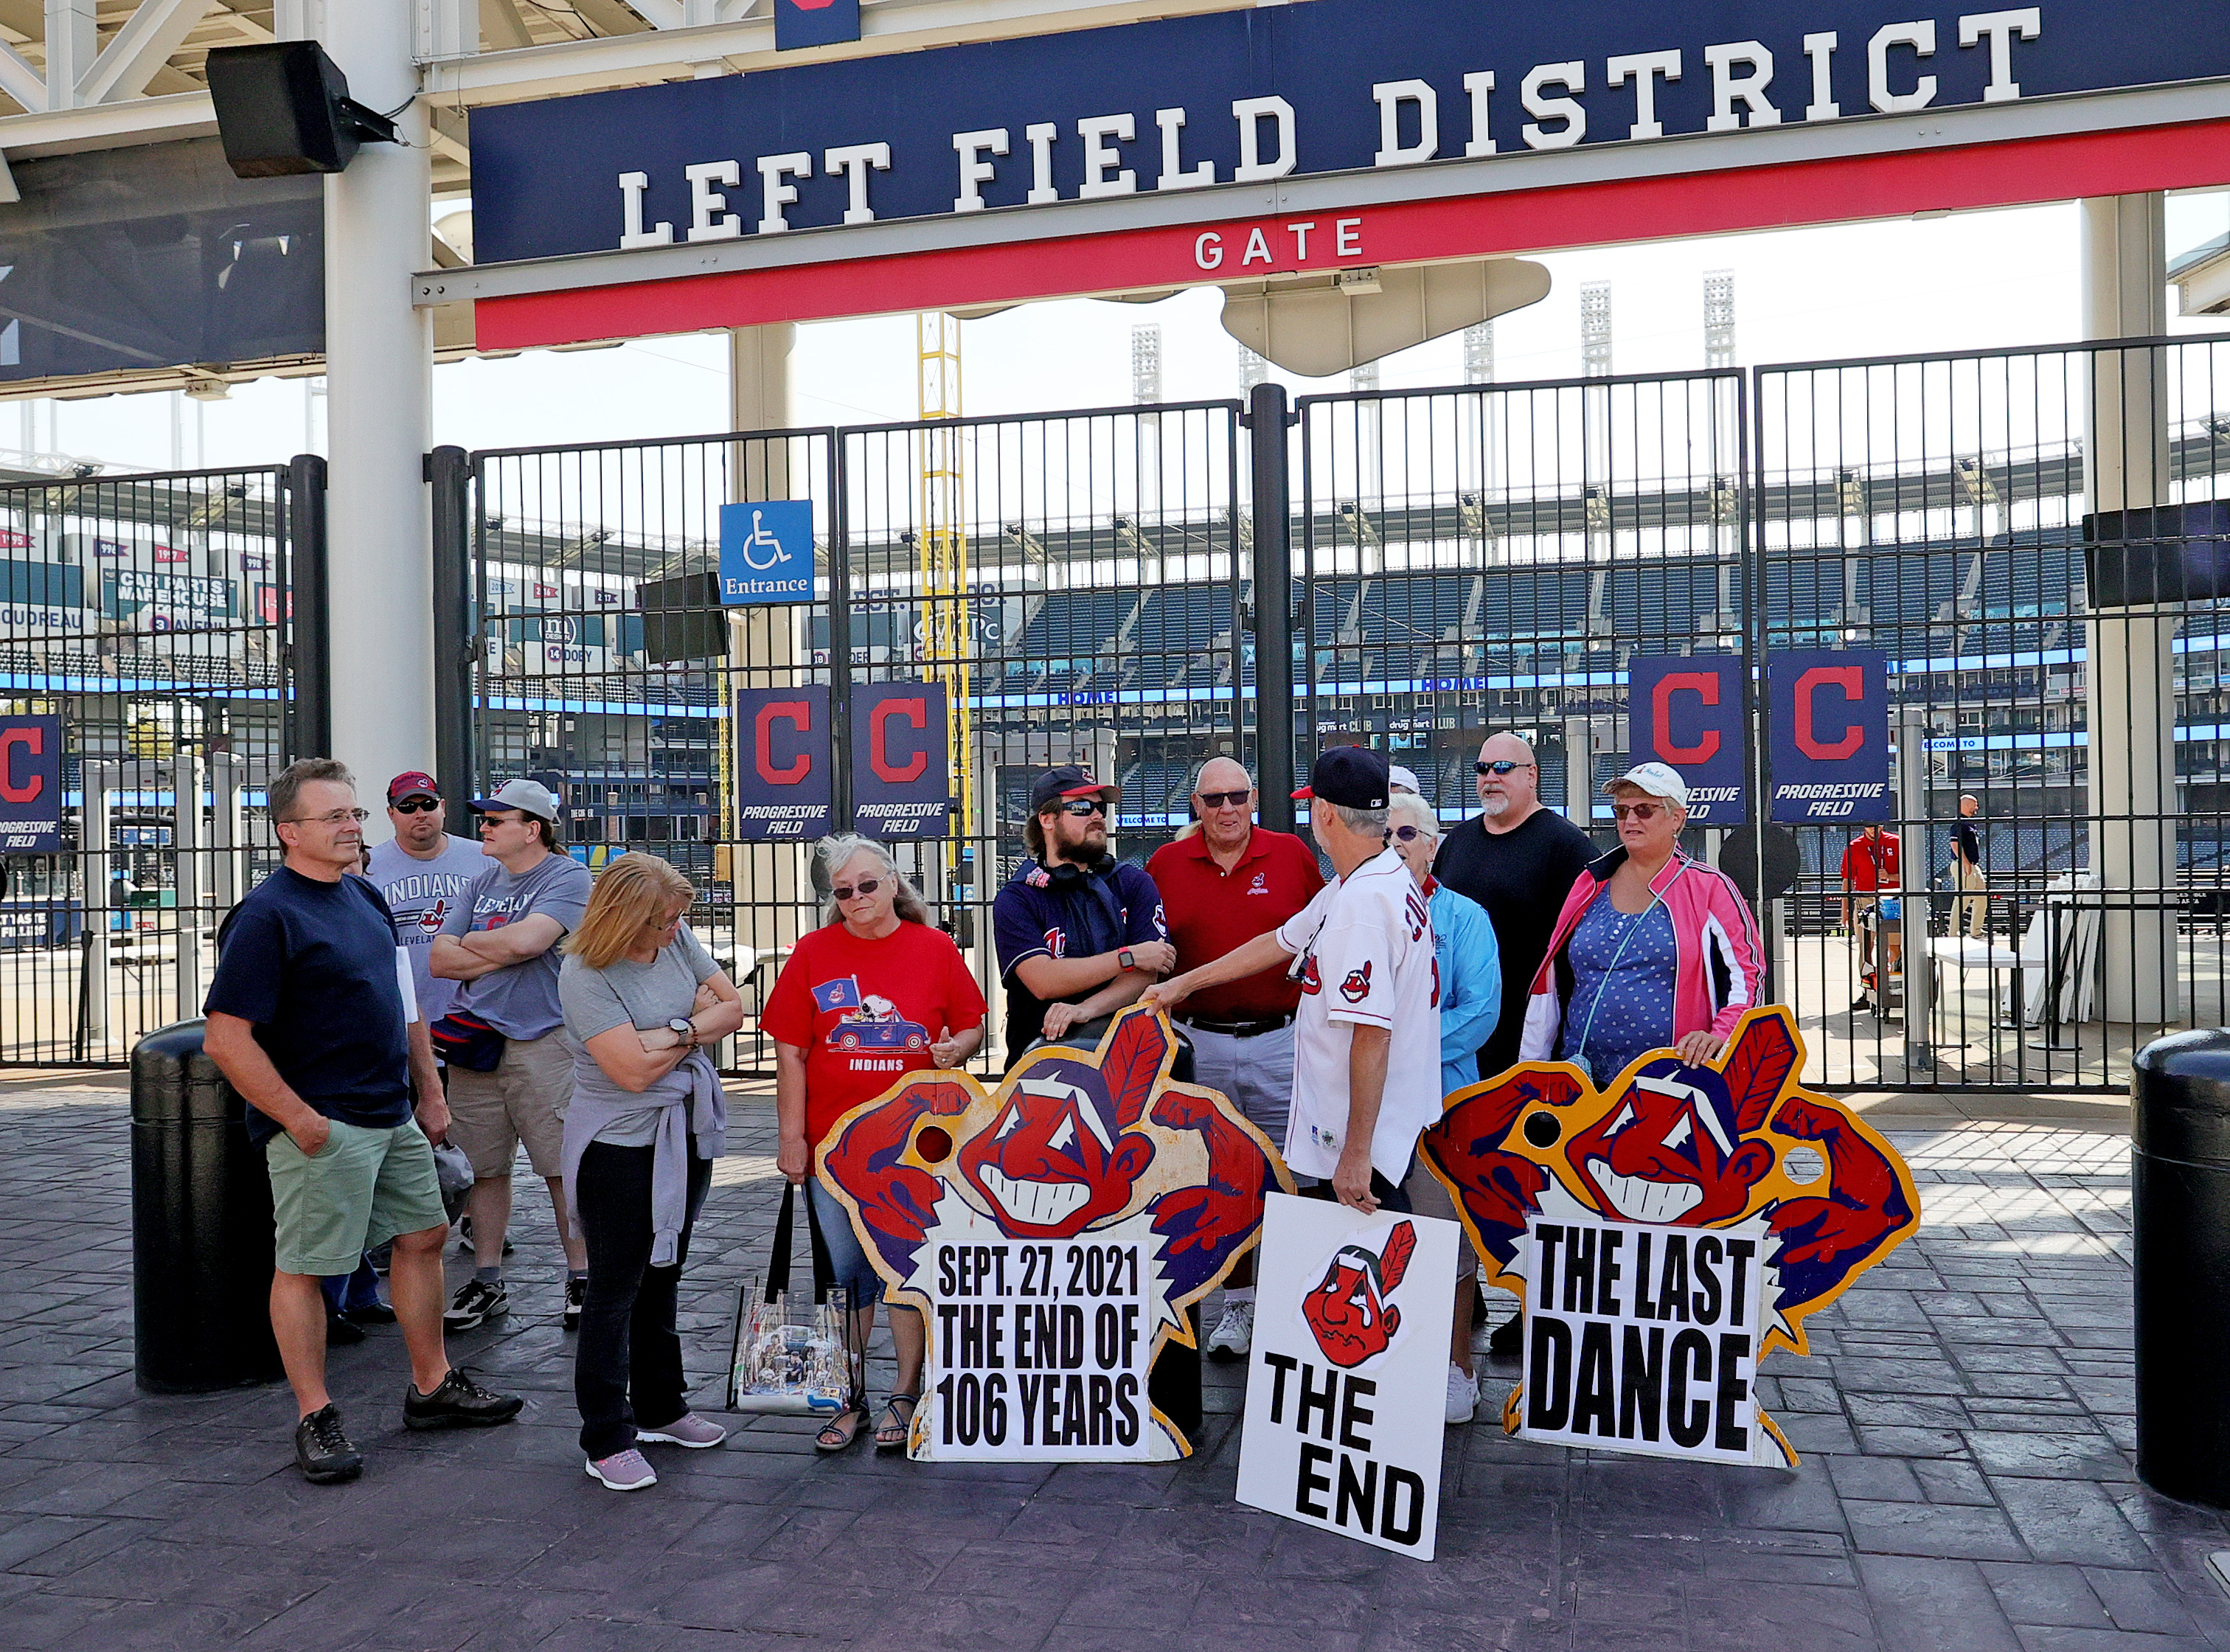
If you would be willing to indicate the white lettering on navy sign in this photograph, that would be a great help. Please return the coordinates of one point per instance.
(1336, 85)
(1641, 1338)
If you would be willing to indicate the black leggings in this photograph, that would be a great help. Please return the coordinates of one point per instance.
(630, 1347)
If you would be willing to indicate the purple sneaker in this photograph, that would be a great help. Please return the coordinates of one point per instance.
(688, 1429)
(623, 1470)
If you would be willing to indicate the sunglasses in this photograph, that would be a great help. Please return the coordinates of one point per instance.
(865, 886)
(1503, 767)
(1409, 834)
(1082, 807)
(1639, 811)
(1224, 799)
(417, 805)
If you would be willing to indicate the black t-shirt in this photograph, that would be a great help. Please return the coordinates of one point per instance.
(313, 965)
(1521, 877)
(1970, 846)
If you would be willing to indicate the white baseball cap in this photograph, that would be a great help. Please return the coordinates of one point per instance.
(528, 796)
(1403, 779)
(1658, 779)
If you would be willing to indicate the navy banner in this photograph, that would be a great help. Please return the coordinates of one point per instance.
(782, 763)
(1830, 727)
(815, 23)
(901, 769)
(1687, 712)
(31, 785)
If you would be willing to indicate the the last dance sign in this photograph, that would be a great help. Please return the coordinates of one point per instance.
(1644, 1339)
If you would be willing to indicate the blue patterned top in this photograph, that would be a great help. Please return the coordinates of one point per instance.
(1622, 972)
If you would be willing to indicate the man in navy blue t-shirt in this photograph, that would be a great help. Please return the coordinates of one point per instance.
(1079, 933)
(307, 1014)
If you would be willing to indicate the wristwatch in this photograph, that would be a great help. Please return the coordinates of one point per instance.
(686, 1030)
(1124, 960)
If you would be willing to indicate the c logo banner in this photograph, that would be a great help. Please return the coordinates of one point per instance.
(915, 714)
(1851, 680)
(33, 743)
(799, 714)
(1703, 683)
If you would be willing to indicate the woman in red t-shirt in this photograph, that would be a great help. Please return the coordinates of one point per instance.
(873, 994)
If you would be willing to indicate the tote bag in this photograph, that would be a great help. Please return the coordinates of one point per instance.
(792, 1354)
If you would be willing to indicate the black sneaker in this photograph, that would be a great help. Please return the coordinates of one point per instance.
(322, 1451)
(379, 1257)
(370, 1314)
(459, 1403)
(339, 1333)
(476, 1302)
(1508, 1341)
(465, 1238)
(577, 1291)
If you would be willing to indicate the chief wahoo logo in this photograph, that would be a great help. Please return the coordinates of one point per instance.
(1351, 1312)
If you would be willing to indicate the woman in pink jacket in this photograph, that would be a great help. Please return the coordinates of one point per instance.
(1652, 951)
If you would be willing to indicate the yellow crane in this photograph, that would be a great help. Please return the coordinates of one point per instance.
(942, 546)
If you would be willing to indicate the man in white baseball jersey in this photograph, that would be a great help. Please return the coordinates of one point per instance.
(1366, 1049)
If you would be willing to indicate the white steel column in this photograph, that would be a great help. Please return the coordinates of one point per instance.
(2132, 715)
(379, 357)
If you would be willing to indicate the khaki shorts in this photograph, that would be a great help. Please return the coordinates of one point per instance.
(363, 1188)
(1428, 1197)
(523, 1101)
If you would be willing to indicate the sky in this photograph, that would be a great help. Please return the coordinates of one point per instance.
(1967, 280)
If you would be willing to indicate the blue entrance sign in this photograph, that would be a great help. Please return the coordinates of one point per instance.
(783, 768)
(1688, 711)
(31, 785)
(1830, 723)
(1174, 108)
(901, 774)
(766, 551)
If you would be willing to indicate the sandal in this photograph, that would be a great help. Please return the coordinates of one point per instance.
(841, 1429)
(892, 1434)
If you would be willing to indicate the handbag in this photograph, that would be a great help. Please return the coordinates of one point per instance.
(792, 1356)
(468, 1042)
(454, 1171)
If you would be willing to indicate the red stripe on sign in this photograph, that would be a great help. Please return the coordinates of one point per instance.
(2023, 173)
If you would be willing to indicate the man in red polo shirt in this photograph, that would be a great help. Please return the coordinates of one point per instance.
(1870, 866)
(1221, 885)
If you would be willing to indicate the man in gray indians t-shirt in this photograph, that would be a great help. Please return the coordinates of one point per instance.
(502, 941)
(424, 872)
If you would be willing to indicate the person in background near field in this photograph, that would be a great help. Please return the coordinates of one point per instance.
(1079, 933)
(1366, 1048)
(1516, 860)
(1652, 950)
(648, 1117)
(1967, 869)
(1223, 883)
(307, 1018)
(501, 941)
(871, 995)
(1870, 865)
(1470, 1002)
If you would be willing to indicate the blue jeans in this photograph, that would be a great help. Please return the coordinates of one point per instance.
(846, 1259)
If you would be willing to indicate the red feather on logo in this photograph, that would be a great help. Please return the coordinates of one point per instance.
(1394, 1261)
(1758, 1067)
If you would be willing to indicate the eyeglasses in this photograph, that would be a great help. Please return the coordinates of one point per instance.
(1503, 767)
(1409, 834)
(337, 818)
(1639, 811)
(1082, 807)
(1224, 799)
(865, 886)
(417, 805)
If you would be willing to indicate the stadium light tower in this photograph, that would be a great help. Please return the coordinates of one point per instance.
(1479, 353)
(1718, 318)
(1253, 370)
(1146, 365)
(1595, 408)
(1595, 329)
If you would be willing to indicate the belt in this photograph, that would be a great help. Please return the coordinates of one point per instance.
(1236, 1029)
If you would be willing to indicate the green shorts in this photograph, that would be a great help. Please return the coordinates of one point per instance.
(364, 1187)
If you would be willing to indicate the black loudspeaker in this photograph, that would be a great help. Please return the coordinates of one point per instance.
(283, 107)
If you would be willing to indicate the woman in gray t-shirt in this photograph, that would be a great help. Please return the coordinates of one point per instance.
(639, 996)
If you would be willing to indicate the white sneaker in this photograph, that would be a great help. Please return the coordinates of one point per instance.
(623, 1471)
(1234, 1333)
(1463, 1395)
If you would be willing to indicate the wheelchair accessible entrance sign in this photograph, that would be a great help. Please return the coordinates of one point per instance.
(766, 551)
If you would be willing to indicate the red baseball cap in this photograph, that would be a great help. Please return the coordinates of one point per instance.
(412, 784)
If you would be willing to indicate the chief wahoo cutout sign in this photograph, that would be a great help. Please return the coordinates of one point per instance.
(1052, 1231)
(1667, 1233)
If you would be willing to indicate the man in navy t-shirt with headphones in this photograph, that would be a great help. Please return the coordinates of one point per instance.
(1079, 933)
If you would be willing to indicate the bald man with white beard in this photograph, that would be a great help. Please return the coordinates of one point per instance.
(1223, 885)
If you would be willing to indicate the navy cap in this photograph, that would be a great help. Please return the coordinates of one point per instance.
(1353, 776)
(1058, 785)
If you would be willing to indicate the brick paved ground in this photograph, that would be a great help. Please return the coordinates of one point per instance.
(1967, 1483)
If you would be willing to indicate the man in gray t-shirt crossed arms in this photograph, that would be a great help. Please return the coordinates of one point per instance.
(501, 940)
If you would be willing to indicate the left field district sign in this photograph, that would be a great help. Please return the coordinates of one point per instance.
(1347, 1374)
(766, 551)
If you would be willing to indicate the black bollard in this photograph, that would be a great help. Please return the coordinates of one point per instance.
(2179, 1188)
(201, 1223)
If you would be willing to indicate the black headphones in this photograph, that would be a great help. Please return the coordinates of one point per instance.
(1069, 871)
